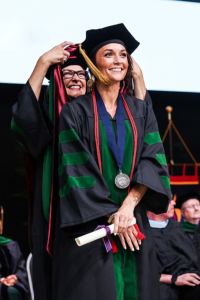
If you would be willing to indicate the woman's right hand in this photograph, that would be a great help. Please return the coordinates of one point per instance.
(190, 279)
(56, 55)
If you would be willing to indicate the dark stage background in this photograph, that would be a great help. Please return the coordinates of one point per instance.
(186, 107)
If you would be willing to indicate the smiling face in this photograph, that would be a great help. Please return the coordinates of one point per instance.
(111, 60)
(191, 211)
(74, 86)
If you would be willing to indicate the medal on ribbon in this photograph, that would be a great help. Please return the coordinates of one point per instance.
(122, 180)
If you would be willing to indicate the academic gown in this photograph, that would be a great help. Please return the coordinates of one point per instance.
(196, 243)
(86, 197)
(176, 256)
(33, 130)
(12, 263)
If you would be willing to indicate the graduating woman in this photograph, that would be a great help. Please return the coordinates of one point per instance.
(111, 161)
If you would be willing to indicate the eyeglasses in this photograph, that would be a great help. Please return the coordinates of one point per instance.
(68, 74)
(192, 206)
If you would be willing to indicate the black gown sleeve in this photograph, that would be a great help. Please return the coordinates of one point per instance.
(147, 97)
(196, 243)
(30, 124)
(84, 194)
(152, 170)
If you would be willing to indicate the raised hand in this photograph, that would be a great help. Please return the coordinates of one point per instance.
(56, 55)
(138, 79)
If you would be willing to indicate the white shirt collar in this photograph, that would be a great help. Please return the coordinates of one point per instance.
(158, 224)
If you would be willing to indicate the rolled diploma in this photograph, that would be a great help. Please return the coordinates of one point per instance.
(98, 234)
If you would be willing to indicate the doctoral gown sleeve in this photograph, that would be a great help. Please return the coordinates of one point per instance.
(30, 124)
(152, 170)
(84, 194)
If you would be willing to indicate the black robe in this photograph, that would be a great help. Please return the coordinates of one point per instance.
(176, 256)
(87, 272)
(196, 243)
(12, 263)
(33, 129)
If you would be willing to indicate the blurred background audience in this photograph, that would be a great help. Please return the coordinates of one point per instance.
(177, 258)
(189, 205)
(13, 277)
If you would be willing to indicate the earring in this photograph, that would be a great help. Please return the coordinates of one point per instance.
(124, 82)
(90, 82)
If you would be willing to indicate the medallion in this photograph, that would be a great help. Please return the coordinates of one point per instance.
(122, 181)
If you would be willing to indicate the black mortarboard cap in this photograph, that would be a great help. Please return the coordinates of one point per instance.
(191, 195)
(97, 38)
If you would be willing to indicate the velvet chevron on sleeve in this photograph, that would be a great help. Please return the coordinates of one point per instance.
(152, 170)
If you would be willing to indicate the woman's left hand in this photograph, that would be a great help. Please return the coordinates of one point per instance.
(138, 79)
(128, 236)
(124, 215)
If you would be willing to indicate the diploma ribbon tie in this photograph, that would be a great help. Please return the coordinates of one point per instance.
(106, 240)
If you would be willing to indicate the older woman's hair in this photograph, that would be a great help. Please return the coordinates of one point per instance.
(127, 82)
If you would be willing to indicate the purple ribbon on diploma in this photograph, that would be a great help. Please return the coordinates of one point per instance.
(106, 241)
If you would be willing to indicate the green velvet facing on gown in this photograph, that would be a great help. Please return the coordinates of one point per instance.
(124, 260)
(67, 136)
(152, 138)
(48, 160)
(16, 128)
(72, 159)
(166, 181)
(13, 293)
(82, 182)
(161, 158)
(188, 226)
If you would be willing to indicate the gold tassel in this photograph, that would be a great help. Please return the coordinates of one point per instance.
(93, 68)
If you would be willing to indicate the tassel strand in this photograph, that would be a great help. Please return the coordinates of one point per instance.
(93, 68)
